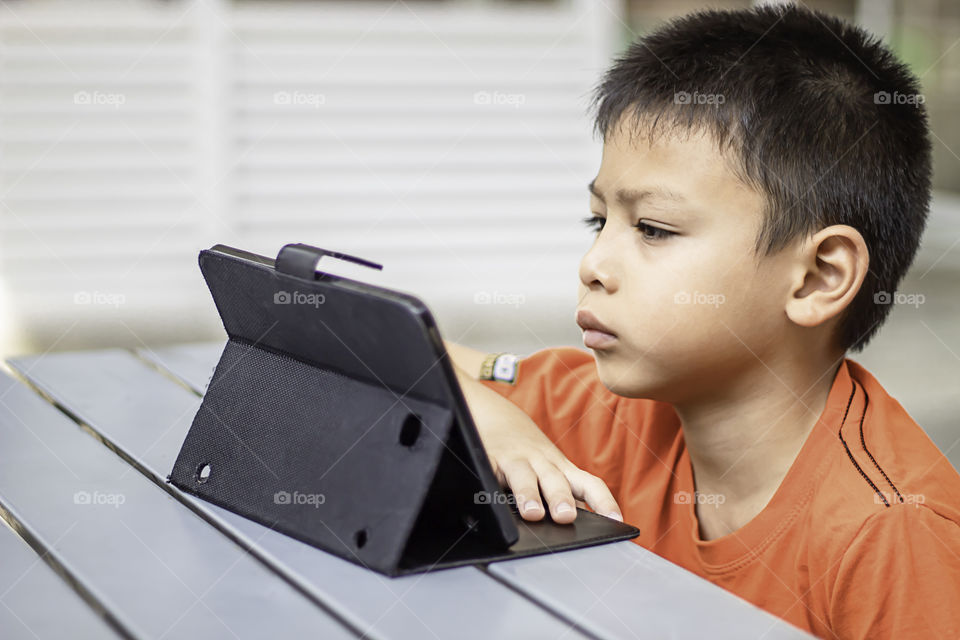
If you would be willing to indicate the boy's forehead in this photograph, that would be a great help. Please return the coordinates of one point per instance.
(680, 167)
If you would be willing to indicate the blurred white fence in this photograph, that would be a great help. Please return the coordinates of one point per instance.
(446, 140)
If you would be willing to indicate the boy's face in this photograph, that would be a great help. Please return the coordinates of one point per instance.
(693, 307)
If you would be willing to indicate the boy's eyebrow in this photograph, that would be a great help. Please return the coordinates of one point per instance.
(629, 197)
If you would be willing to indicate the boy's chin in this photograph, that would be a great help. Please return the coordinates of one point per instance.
(625, 378)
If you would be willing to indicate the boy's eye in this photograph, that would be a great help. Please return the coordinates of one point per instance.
(653, 233)
(650, 232)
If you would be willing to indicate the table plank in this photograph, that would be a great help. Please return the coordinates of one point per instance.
(612, 590)
(144, 414)
(157, 568)
(191, 363)
(622, 588)
(36, 603)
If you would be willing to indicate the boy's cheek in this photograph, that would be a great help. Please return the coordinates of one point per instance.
(682, 323)
(666, 348)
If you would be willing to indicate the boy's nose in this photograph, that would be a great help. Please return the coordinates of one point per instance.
(595, 270)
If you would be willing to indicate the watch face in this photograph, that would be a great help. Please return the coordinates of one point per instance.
(501, 366)
(505, 368)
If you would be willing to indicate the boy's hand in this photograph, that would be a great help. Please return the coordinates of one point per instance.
(524, 459)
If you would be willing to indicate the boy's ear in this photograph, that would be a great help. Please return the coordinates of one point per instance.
(830, 268)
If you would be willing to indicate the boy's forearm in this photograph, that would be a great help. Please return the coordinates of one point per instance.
(487, 407)
(467, 359)
(469, 385)
(481, 400)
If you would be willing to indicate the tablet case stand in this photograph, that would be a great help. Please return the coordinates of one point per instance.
(333, 455)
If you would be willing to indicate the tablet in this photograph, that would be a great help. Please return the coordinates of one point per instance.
(334, 415)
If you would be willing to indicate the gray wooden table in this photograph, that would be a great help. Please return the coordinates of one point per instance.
(97, 545)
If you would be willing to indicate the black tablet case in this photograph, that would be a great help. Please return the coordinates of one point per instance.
(334, 416)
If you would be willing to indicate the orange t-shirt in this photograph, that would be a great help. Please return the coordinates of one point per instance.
(835, 551)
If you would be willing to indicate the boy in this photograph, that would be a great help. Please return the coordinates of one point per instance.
(763, 188)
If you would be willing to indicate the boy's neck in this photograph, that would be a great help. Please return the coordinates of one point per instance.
(743, 441)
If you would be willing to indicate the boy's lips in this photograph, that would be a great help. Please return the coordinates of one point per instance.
(596, 335)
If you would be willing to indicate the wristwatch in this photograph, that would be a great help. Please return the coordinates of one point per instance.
(502, 367)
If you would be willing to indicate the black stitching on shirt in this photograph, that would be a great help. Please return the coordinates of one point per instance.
(853, 391)
(864, 444)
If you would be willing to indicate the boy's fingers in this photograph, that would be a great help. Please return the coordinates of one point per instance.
(595, 491)
(556, 489)
(523, 482)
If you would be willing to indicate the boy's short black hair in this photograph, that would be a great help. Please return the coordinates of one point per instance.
(820, 116)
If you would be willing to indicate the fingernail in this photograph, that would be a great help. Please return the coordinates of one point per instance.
(563, 507)
(615, 516)
(530, 505)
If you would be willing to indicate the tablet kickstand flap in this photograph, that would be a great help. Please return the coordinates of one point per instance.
(341, 464)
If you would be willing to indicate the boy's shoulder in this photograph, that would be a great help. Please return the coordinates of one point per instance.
(880, 477)
(885, 515)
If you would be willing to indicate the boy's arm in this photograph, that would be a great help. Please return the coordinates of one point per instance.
(524, 459)
(469, 360)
